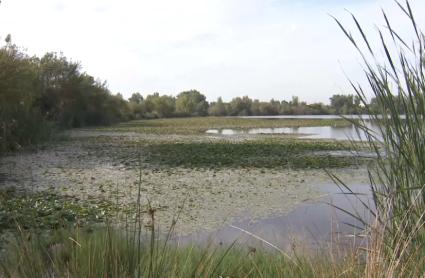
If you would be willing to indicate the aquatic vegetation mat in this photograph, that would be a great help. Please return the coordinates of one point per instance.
(256, 154)
(47, 210)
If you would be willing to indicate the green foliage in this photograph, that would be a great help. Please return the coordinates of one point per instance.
(20, 121)
(39, 93)
(135, 103)
(217, 108)
(46, 210)
(240, 106)
(191, 103)
(75, 99)
(257, 154)
(397, 82)
(156, 106)
(136, 98)
(110, 253)
(345, 104)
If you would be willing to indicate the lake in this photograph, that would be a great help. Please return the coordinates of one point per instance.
(312, 132)
(364, 117)
(313, 224)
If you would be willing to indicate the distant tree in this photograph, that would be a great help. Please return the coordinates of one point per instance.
(343, 104)
(136, 106)
(157, 106)
(256, 107)
(269, 108)
(136, 98)
(295, 101)
(285, 108)
(317, 109)
(217, 108)
(241, 106)
(191, 103)
(374, 105)
(166, 106)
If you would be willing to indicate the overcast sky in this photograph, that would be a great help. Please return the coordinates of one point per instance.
(261, 48)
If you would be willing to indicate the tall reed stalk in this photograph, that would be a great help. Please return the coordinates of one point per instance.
(396, 80)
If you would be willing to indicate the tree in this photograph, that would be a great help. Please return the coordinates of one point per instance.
(20, 121)
(136, 106)
(75, 99)
(217, 108)
(136, 98)
(39, 93)
(342, 104)
(241, 106)
(59, 80)
(191, 103)
(295, 101)
(156, 106)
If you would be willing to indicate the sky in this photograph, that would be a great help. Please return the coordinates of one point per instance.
(261, 48)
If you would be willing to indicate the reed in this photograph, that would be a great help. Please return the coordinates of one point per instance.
(397, 82)
(109, 252)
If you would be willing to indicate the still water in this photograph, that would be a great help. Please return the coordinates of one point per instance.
(313, 132)
(311, 224)
(365, 117)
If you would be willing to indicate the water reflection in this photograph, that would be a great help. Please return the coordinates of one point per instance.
(365, 117)
(313, 132)
(313, 224)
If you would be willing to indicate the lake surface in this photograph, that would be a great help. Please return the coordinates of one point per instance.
(349, 132)
(312, 224)
(365, 117)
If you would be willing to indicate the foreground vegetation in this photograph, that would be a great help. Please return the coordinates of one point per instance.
(45, 211)
(108, 253)
(395, 240)
(398, 177)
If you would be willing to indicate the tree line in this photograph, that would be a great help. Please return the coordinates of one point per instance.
(193, 103)
(41, 94)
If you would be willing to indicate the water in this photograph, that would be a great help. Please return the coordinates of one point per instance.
(365, 117)
(311, 224)
(312, 132)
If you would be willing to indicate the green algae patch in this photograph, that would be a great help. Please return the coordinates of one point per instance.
(46, 210)
(295, 154)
